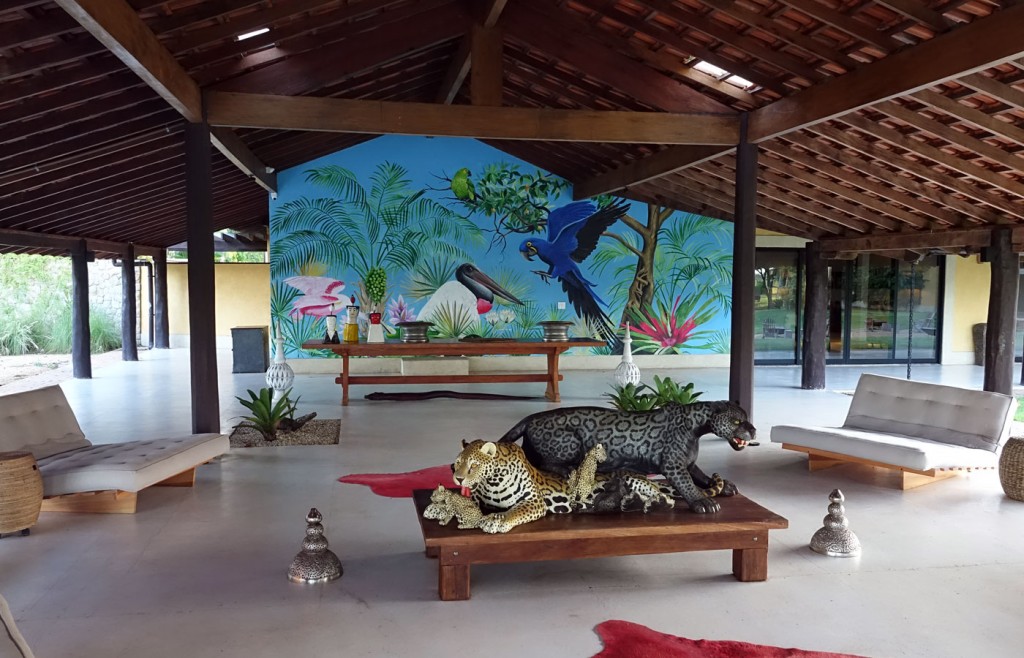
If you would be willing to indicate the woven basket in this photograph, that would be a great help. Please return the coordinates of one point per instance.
(21, 491)
(1011, 468)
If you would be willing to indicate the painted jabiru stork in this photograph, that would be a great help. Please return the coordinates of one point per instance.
(573, 232)
(471, 294)
(321, 296)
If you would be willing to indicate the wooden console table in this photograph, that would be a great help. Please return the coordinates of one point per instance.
(742, 525)
(451, 347)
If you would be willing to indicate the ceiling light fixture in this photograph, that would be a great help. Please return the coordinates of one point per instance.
(254, 33)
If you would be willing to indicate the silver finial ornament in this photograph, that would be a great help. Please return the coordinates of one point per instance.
(314, 563)
(279, 375)
(627, 372)
(836, 539)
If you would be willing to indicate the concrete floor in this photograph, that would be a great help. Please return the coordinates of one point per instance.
(201, 572)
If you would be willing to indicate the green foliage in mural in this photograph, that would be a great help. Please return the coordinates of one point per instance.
(452, 321)
(516, 201)
(429, 275)
(388, 225)
(296, 330)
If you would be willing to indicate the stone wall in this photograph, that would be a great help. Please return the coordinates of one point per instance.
(105, 288)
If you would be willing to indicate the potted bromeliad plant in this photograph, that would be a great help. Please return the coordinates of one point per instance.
(269, 416)
(642, 397)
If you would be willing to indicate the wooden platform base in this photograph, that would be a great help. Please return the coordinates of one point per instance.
(111, 501)
(93, 502)
(888, 474)
(741, 526)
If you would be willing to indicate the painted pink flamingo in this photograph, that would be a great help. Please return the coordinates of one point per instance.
(321, 296)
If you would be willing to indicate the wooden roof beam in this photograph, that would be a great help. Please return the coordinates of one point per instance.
(386, 117)
(918, 11)
(488, 15)
(969, 238)
(642, 170)
(547, 33)
(971, 48)
(973, 116)
(31, 239)
(116, 25)
(979, 45)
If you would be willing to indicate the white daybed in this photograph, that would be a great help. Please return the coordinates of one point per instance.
(926, 431)
(81, 477)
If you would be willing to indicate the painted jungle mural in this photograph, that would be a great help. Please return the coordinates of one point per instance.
(457, 233)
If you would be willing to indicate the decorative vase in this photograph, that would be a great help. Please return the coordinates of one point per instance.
(627, 372)
(375, 332)
(331, 337)
(835, 539)
(279, 375)
(314, 563)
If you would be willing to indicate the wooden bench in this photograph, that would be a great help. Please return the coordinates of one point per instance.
(451, 347)
(742, 526)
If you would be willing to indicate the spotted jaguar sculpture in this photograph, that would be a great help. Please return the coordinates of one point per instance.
(664, 441)
(500, 477)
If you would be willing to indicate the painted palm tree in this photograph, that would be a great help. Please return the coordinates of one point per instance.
(353, 227)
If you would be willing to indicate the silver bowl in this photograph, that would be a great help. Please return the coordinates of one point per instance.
(415, 331)
(555, 330)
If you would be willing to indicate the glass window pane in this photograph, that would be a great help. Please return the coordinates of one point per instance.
(872, 308)
(918, 309)
(775, 313)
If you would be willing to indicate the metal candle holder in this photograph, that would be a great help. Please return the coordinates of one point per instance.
(314, 563)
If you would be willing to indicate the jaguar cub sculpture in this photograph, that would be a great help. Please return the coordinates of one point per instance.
(446, 504)
(664, 441)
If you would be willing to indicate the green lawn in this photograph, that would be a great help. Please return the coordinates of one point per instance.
(1019, 416)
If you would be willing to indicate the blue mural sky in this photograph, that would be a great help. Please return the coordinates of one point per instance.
(684, 309)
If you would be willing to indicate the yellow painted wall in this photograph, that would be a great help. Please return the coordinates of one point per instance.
(242, 296)
(970, 301)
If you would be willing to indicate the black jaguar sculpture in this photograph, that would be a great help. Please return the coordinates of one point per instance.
(663, 441)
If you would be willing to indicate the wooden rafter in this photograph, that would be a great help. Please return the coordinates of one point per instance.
(458, 69)
(593, 58)
(974, 47)
(383, 117)
(643, 170)
(118, 27)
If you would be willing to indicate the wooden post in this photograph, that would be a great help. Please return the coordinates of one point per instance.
(741, 356)
(485, 83)
(81, 340)
(161, 338)
(202, 311)
(1002, 313)
(129, 348)
(812, 374)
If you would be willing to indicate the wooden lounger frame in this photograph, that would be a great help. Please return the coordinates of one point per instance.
(908, 478)
(111, 501)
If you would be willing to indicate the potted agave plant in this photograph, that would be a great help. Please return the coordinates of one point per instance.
(375, 286)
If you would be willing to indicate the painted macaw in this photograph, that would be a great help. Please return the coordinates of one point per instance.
(573, 232)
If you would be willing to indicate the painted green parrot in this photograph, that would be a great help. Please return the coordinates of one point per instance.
(462, 187)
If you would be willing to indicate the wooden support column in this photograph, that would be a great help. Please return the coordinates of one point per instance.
(485, 83)
(161, 335)
(1002, 313)
(129, 346)
(81, 340)
(812, 374)
(741, 356)
(202, 311)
